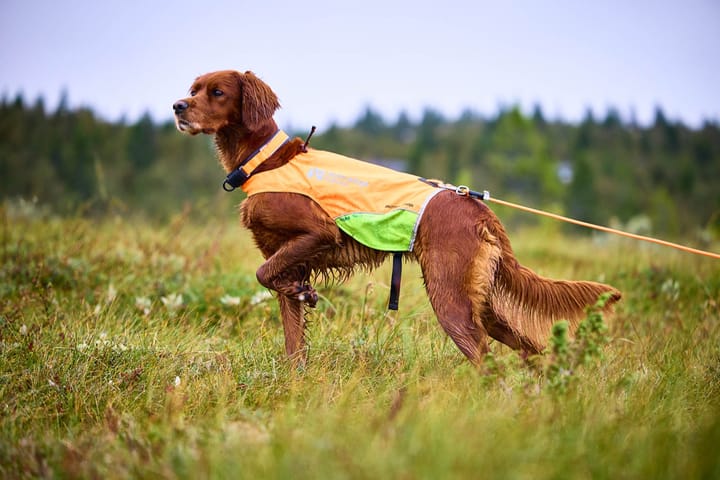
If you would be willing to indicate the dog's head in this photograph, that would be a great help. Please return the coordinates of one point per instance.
(225, 99)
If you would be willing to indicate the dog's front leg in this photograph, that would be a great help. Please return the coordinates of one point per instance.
(291, 311)
(287, 271)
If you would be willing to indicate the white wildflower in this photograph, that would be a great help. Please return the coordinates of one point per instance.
(143, 304)
(671, 289)
(229, 300)
(23, 329)
(177, 381)
(260, 297)
(82, 347)
(173, 301)
(111, 293)
(102, 341)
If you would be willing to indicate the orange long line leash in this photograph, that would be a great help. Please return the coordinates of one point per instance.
(601, 228)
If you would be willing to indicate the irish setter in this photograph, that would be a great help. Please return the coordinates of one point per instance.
(475, 285)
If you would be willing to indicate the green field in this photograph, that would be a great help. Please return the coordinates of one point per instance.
(133, 350)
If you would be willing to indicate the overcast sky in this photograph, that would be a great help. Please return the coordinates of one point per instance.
(329, 60)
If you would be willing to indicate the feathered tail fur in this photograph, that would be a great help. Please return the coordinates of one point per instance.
(530, 304)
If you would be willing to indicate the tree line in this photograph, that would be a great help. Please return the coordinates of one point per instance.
(601, 170)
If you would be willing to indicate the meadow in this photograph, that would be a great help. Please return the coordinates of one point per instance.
(130, 349)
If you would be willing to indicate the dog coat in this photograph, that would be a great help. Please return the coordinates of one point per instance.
(377, 206)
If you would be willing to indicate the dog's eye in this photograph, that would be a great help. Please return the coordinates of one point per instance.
(217, 92)
(193, 93)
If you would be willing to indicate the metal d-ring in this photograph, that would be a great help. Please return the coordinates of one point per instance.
(227, 186)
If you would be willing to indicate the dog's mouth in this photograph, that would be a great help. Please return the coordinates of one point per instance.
(185, 126)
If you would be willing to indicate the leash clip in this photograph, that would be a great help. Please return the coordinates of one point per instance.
(462, 190)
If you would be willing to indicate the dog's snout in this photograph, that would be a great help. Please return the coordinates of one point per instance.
(180, 106)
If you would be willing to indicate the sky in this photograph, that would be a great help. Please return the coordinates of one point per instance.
(329, 60)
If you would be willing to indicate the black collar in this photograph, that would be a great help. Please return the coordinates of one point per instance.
(240, 175)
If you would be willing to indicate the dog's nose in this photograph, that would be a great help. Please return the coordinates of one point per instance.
(180, 106)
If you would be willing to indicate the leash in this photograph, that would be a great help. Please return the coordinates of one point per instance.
(608, 229)
(462, 190)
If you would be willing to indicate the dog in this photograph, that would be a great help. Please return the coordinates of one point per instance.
(475, 284)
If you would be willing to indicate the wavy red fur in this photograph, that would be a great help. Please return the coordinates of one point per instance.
(475, 284)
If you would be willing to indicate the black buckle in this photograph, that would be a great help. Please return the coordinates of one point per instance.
(234, 180)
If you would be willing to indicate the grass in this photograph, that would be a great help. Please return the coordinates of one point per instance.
(130, 350)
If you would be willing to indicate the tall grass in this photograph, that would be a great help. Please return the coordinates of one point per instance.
(130, 350)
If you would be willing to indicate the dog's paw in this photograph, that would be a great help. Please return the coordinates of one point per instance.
(310, 298)
(308, 295)
(303, 292)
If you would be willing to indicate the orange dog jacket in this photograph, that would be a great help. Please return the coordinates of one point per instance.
(377, 206)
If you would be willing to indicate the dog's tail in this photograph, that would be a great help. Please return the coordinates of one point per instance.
(530, 304)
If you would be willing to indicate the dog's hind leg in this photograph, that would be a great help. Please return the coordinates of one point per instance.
(459, 259)
(485, 264)
(500, 330)
(456, 318)
(291, 311)
(446, 280)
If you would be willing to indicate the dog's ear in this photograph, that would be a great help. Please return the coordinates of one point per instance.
(259, 102)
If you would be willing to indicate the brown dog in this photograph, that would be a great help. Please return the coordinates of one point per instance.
(476, 286)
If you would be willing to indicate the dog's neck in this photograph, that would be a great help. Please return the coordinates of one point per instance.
(234, 145)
